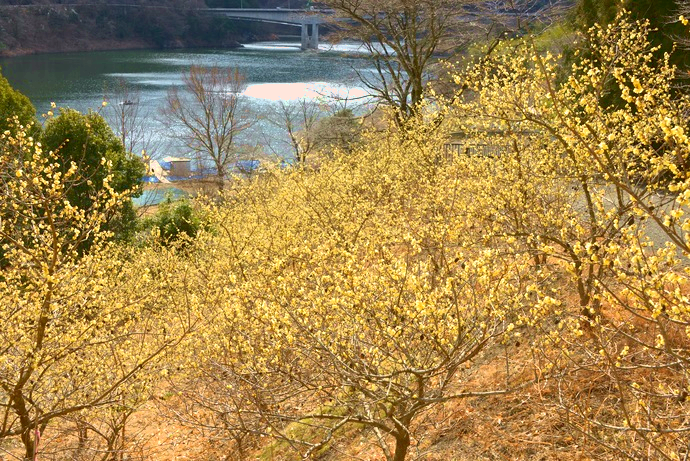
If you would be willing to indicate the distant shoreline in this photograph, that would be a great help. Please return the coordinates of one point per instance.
(60, 28)
(110, 46)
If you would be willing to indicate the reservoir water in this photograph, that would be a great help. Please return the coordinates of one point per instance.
(274, 71)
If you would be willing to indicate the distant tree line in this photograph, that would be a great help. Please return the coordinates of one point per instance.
(28, 26)
(257, 3)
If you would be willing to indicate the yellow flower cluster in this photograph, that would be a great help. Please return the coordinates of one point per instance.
(82, 332)
(357, 292)
(358, 284)
(593, 179)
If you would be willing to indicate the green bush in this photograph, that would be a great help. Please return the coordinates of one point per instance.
(13, 103)
(88, 141)
(177, 221)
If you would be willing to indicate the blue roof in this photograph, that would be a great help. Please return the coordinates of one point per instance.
(247, 166)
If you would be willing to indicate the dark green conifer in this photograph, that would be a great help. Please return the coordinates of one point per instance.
(12, 103)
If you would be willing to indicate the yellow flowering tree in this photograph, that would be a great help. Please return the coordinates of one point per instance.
(348, 301)
(599, 193)
(79, 330)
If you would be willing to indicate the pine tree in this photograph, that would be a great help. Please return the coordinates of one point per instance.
(13, 103)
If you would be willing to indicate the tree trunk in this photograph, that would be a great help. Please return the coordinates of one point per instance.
(28, 428)
(220, 178)
(29, 445)
(402, 443)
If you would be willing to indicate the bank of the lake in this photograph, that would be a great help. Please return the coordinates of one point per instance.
(48, 27)
(274, 71)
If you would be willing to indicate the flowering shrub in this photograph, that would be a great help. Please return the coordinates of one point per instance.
(601, 193)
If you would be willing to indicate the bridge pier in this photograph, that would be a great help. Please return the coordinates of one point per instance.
(307, 19)
(314, 42)
(305, 36)
(310, 41)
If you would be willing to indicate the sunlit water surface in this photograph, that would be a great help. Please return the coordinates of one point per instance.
(274, 71)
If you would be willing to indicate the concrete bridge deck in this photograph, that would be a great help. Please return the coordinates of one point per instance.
(308, 20)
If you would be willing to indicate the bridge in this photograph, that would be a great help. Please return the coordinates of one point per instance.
(308, 20)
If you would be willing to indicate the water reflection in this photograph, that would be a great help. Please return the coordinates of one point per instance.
(275, 71)
(322, 91)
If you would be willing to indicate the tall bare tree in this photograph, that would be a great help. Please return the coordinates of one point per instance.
(208, 114)
(296, 120)
(404, 38)
(127, 116)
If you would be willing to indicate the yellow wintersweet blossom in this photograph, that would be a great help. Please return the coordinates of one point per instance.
(597, 193)
(81, 329)
(350, 294)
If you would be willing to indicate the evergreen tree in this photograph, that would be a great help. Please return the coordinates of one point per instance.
(88, 141)
(13, 103)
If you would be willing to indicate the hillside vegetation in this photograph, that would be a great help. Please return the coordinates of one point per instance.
(521, 293)
(51, 26)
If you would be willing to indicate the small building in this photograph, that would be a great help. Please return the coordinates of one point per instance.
(178, 167)
(491, 144)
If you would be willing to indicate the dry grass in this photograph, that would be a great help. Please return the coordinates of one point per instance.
(526, 424)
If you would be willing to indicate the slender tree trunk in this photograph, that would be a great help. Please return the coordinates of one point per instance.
(220, 176)
(29, 445)
(402, 444)
(83, 436)
(27, 435)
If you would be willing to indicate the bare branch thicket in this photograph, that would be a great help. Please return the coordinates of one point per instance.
(103, 434)
(405, 38)
(127, 116)
(129, 120)
(208, 114)
(297, 120)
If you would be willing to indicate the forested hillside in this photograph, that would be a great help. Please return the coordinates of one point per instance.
(29, 26)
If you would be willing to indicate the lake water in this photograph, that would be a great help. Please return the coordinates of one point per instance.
(274, 71)
(157, 195)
